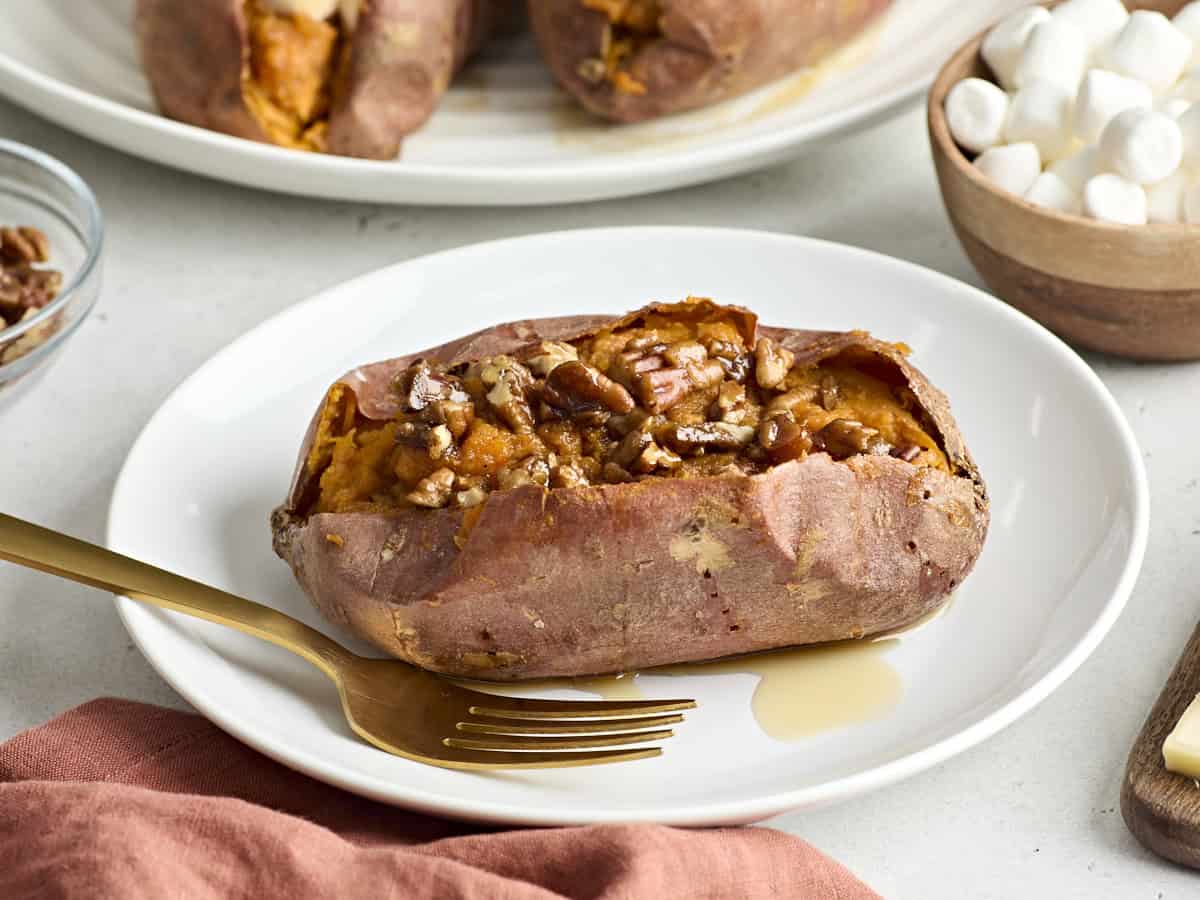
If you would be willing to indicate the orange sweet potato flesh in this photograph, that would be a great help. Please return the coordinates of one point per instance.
(534, 581)
(632, 60)
(233, 66)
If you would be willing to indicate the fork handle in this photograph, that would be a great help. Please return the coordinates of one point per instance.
(40, 548)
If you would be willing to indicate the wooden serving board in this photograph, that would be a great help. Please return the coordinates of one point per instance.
(1161, 808)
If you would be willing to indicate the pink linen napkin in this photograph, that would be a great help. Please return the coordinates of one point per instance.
(121, 799)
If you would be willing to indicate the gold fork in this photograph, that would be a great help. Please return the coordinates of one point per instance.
(395, 706)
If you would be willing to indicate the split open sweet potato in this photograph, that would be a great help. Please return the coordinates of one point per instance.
(589, 494)
(354, 82)
(631, 60)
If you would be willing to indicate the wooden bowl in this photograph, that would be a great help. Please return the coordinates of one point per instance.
(1129, 290)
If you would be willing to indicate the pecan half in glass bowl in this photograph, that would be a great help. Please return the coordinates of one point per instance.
(51, 235)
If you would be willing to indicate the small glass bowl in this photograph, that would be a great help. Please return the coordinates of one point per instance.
(38, 190)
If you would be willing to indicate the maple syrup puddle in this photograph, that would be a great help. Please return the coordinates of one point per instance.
(801, 691)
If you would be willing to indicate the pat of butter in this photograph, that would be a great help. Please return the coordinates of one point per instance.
(1181, 749)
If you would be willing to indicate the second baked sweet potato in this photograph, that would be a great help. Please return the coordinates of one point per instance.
(630, 60)
(354, 82)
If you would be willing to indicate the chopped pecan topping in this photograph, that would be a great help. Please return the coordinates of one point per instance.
(438, 441)
(772, 363)
(908, 454)
(23, 245)
(509, 381)
(434, 490)
(528, 471)
(661, 389)
(569, 475)
(843, 438)
(421, 386)
(631, 447)
(730, 405)
(472, 496)
(733, 359)
(622, 425)
(685, 353)
(578, 387)
(709, 436)
(829, 394)
(549, 355)
(454, 414)
(783, 438)
(655, 457)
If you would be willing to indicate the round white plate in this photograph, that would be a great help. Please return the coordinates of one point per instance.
(504, 135)
(1069, 524)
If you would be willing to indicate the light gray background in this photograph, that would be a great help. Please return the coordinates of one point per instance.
(193, 263)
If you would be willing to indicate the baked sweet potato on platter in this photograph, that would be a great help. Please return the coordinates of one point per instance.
(590, 494)
(347, 77)
(632, 60)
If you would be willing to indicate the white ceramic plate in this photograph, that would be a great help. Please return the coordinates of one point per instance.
(1068, 492)
(505, 134)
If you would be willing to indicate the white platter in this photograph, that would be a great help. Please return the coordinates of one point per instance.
(505, 135)
(1068, 489)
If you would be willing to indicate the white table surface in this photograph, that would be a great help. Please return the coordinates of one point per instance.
(192, 263)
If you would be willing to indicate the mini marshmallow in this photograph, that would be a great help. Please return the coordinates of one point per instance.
(1191, 205)
(1052, 192)
(1173, 106)
(1041, 114)
(1150, 49)
(1111, 198)
(1076, 170)
(1104, 94)
(1014, 167)
(1099, 20)
(314, 9)
(976, 111)
(1188, 86)
(1004, 44)
(1055, 52)
(1187, 20)
(1142, 146)
(1164, 201)
(1189, 126)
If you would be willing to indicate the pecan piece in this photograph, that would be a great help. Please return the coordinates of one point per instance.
(843, 438)
(709, 436)
(528, 471)
(421, 385)
(578, 387)
(24, 244)
(549, 355)
(907, 453)
(684, 353)
(438, 441)
(23, 288)
(783, 438)
(434, 490)
(655, 457)
(509, 381)
(772, 363)
(661, 389)
(568, 475)
(733, 358)
(455, 415)
(829, 393)
(631, 447)
(730, 405)
(614, 474)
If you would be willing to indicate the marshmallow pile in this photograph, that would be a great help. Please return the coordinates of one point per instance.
(1095, 111)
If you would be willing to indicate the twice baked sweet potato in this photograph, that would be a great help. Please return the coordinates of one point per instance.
(353, 82)
(631, 60)
(587, 495)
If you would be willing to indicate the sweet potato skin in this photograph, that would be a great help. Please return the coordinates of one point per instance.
(402, 57)
(609, 578)
(709, 50)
